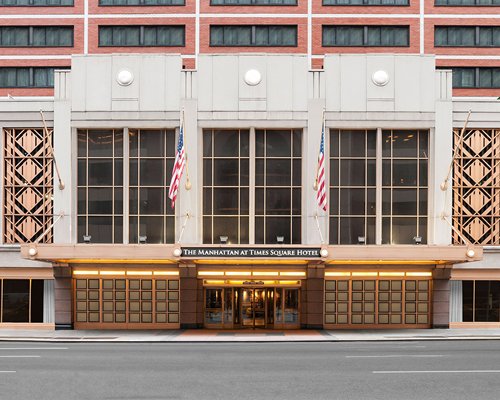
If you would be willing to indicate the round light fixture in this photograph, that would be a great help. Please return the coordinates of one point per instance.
(252, 77)
(380, 78)
(124, 77)
(32, 251)
(324, 253)
(177, 252)
(471, 253)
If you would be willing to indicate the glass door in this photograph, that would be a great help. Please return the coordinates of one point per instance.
(247, 308)
(213, 307)
(253, 308)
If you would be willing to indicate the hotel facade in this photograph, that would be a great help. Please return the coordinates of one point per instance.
(94, 96)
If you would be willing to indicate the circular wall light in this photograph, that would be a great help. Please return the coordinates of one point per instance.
(471, 253)
(124, 77)
(324, 252)
(32, 251)
(252, 77)
(177, 252)
(380, 78)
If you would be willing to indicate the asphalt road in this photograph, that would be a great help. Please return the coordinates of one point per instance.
(349, 370)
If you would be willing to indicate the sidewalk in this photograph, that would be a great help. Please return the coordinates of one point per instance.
(213, 336)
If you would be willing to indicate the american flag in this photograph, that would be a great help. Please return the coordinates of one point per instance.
(320, 178)
(180, 161)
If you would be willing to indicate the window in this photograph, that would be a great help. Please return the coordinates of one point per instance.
(100, 185)
(253, 35)
(35, 3)
(36, 36)
(467, 3)
(467, 36)
(366, 2)
(141, 2)
(475, 77)
(227, 173)
(253, 2)
(226, 185)
(352, 186)
(400, 196)
(151, 159)
(358, 35)
(24, 77)
(104, 184)
(139, 35)
(481, 301)
(404, 186)
(22, 300)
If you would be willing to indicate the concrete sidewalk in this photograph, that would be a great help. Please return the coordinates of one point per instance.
(224, 336)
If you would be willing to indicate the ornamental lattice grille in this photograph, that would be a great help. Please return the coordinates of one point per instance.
(476, 186)
(28, 185)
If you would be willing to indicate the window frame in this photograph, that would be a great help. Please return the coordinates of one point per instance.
(31, 71)
(31, 4)
(31, 36)
(142, 4)
(477, 72)
(477, 33)
(253, 35)
(365, 3)
(365, 35)
(466, 5)
(251, 3)
(141, 35)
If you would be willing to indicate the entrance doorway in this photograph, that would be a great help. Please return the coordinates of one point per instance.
(252, 308)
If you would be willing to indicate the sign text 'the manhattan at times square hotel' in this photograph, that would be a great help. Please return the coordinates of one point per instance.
(254, 252)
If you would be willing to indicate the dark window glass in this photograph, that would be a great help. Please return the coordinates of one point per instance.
(487, 301)
(36, 300)
(141, 2)
(467, 36)
(36, 36)
(253, 2)
(468, 301)
(35, 3)
(27, 77)
(467, 2)
(365, 2)
(479, 77)
(253, 35)
(359, 35)
(15, 300)
(137, 35)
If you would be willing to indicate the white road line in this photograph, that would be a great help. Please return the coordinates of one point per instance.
(399, 356)
(33, 348)
(471, 371)
(20, 356)
(7, 372)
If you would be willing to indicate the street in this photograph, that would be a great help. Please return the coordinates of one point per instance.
(349, 370)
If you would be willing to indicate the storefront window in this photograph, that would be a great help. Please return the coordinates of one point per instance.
(22, 300)
(481, 301)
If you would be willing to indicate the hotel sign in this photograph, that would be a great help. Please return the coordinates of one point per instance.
(251, 252)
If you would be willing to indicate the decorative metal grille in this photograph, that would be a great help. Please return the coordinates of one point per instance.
(476, 186)
(28, 185)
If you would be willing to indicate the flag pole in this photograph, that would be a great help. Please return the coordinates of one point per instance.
(315, 185)
(187, 185)
(61, 183)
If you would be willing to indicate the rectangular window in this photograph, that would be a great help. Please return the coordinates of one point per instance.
(366, 2)
(462, 3)
(404, 186)
(141, 2)
(479, 77)
(467, 36)
(24, 77)
(100, 186)
(253, 2)
(352, 186)
(22, 300)
(35, 3)
(152, 154)
(278, 182)
(226, 185)
(142, 36)
(481, 301)
(36, 36)
(365, 36)
(253, 35)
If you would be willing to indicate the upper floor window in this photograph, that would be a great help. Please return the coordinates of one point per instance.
(467, 36)
(467, 3)
(253, 35)
(479, 77)
(142, 35)
(253, 2)
(366, 2)
(141, 2)
(368, 35)
(36, 36)
(27, 77)
(35, 3)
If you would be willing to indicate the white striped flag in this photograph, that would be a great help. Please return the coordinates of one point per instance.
(320, 177)
(179, 163)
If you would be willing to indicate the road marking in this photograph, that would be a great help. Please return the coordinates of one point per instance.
(19, 356)
(7, 372)
(399, 356)
(471, 371)
(33, 348)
